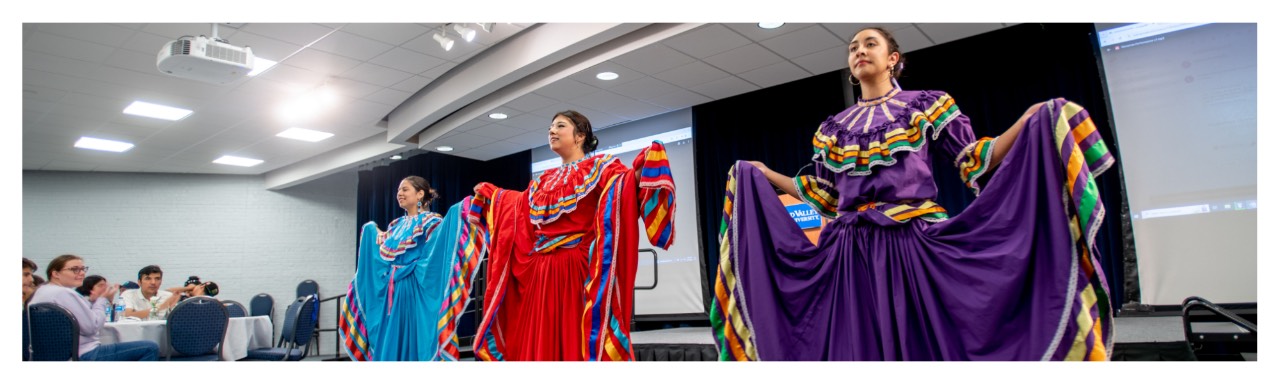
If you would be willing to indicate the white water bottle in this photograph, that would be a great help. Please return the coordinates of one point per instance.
(119, 312)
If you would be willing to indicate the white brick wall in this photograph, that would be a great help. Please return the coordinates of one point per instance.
(223, 228)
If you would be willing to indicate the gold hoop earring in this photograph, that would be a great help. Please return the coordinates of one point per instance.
(851, 82)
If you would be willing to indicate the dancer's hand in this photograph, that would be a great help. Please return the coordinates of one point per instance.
(1022, 121)
(382, 236)
(763, 169)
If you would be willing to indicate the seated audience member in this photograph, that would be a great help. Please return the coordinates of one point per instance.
(141, 302)
(28, 279)
(93, 285)
(66, 273)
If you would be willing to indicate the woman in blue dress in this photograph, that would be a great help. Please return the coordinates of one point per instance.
(411, 282)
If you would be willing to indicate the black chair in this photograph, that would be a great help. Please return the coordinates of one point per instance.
(55, 333)
(234, 308)
(196, 328)
(299, 323)
(306, 288)
(26, 335)
(262, 305)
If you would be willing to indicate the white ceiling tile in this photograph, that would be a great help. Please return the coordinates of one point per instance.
(412, 84)
(321, 62)
(376, 74)
(530, 122)
(726, 87)
(439, 70)
(496, 131)
(462, 141)
(41, 63)
(707, 41)
(264, 47)
(503, 148)
(105, 34)
(390, 33)
(618, 105)
(473, 124)
(744, 58)
(294, 76)
(692, 74)
(133, 61)
(804, 42)
(910, 39)
(406, 60)
(389, 96)
(529, 138)
(363, 112)
(823, 61)
(530, 102)
(293, 33)
(947, 32)
(353, 89)
(625, 75)
(845, 31)
(755, 33)
(350, 45)
(67, 47)
(147, 43)
(173, 31)
(772, 75)
(653, 59)
(565, 89)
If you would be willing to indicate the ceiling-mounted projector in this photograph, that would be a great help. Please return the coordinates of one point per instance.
(205, 59)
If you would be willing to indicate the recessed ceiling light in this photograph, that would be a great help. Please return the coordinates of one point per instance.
(770, 25)
(156, 111)
(261, 65)
(102, 145)
(444, 148)
(606, 76)
(497, 115)
(396, 157)
(304, 134)
(238, 161)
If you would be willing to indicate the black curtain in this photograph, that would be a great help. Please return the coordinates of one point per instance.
(774, 125)
(452, 177)
(994, 77)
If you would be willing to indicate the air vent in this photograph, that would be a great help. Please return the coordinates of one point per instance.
(221, 53)
(180, 47)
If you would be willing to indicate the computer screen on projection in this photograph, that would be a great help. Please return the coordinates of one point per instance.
(1184, 102)
(677, 287)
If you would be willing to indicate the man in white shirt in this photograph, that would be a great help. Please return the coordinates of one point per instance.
(67, 272)
(148, 297)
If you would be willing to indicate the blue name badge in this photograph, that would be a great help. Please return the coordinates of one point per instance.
(805, 216)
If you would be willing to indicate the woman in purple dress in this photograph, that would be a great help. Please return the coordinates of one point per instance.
(894, 276)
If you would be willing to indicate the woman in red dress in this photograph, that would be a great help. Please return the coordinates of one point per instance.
(562, 253)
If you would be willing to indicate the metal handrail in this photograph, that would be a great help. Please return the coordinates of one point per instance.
(655, 269)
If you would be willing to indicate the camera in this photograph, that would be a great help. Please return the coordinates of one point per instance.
(210, 288)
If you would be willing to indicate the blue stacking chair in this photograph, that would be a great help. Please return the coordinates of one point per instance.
(55, 333)
(26, 335)
(306, 288)
(299, 322)
(234, 308)
(262, 305)
(196, 328)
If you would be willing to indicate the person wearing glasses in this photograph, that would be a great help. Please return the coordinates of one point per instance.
(66, 273)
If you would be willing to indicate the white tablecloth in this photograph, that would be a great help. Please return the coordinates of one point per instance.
(243, 334)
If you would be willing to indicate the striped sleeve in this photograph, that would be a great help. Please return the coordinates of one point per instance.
(818, 192)
(657, 195)
(974, 161)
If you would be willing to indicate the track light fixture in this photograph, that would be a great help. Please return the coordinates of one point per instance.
(446, 42)
(467, 33)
